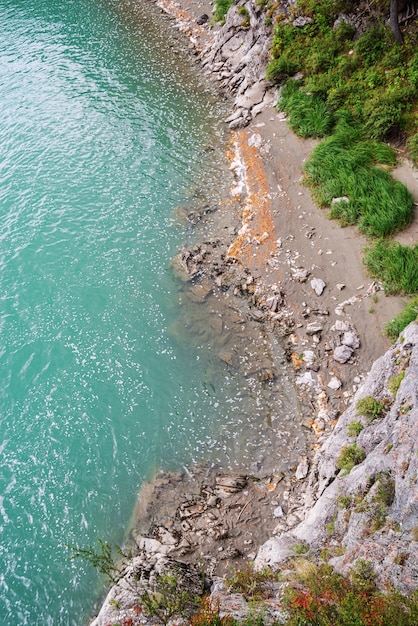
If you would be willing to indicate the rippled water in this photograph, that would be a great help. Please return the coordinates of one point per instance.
(102, 125)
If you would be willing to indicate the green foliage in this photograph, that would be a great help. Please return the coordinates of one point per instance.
(253, 584)
(354, 428)
(345, 165)
(321, 597)
(370, 408)
(301, 548)
(280, 69)
(243, 11)
(349, 457)
(385, 492)
(401, 321)
(221, 9)
(108, 560)
(395, 265)
(412, 146)
(395, 381)
(164, 599)
(363, 575)
(375, 78)
(308, 114)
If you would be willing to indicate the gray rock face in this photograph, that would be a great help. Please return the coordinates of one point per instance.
(373, 507)
(238, 57)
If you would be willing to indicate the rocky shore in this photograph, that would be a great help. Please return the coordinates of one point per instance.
(298, 277)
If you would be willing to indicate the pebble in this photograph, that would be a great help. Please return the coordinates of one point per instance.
(318, 286)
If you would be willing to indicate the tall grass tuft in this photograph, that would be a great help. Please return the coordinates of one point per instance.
(308, 114)
(345, 165)
(395, 265)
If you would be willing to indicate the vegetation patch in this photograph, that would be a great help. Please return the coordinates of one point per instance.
(354, 429)
(370, 408)
(221, 9)
(322, 597)
(349, 457)
(401, 321)
(395, 381)
(253, 584)
(343, 174)
(395, 266)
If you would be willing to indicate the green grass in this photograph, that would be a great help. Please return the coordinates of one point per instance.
(401, 321)
(395, 265)
(221, 9)
(349, 457)
(346, 165)
(370, 407)
(356, 91)
(354, 429)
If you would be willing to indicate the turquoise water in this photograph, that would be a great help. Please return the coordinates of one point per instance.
(104, 131)
(101, 132)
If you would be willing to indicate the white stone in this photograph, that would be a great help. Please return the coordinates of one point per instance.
(343, 353)
(318, 285)
(278, 512)
(351, 339)
(334, 383)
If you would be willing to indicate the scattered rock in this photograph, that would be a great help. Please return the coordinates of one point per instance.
(335, 383)
(342, 354)
(313, 328)
(351, 339)
(302, 469)
(318, 286)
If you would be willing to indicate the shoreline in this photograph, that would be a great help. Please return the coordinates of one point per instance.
(284, 242)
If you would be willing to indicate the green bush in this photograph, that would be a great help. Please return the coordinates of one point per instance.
(370, 408)
(322, 597)
(395, 265)
(349, 457)
(354, 429)
(280, 69)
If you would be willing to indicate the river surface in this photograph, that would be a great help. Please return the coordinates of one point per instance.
(103, 126)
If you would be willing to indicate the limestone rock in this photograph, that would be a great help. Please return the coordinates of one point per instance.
(318, 286)
(342, 354)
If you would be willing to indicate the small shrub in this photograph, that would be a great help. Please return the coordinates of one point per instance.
(349, 457)
(385, 492)
(395, 381)
(363, 575)
(354, 429)
(301, 548)
(414, 533)
(344, 502)
(370, 408)
(253, 584)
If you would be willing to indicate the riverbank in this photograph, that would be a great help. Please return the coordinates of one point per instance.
(302, 279)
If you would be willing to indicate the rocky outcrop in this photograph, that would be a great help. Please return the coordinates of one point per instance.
(370, 511)
(238, 58)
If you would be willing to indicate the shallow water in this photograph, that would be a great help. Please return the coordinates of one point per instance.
(102, 129)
